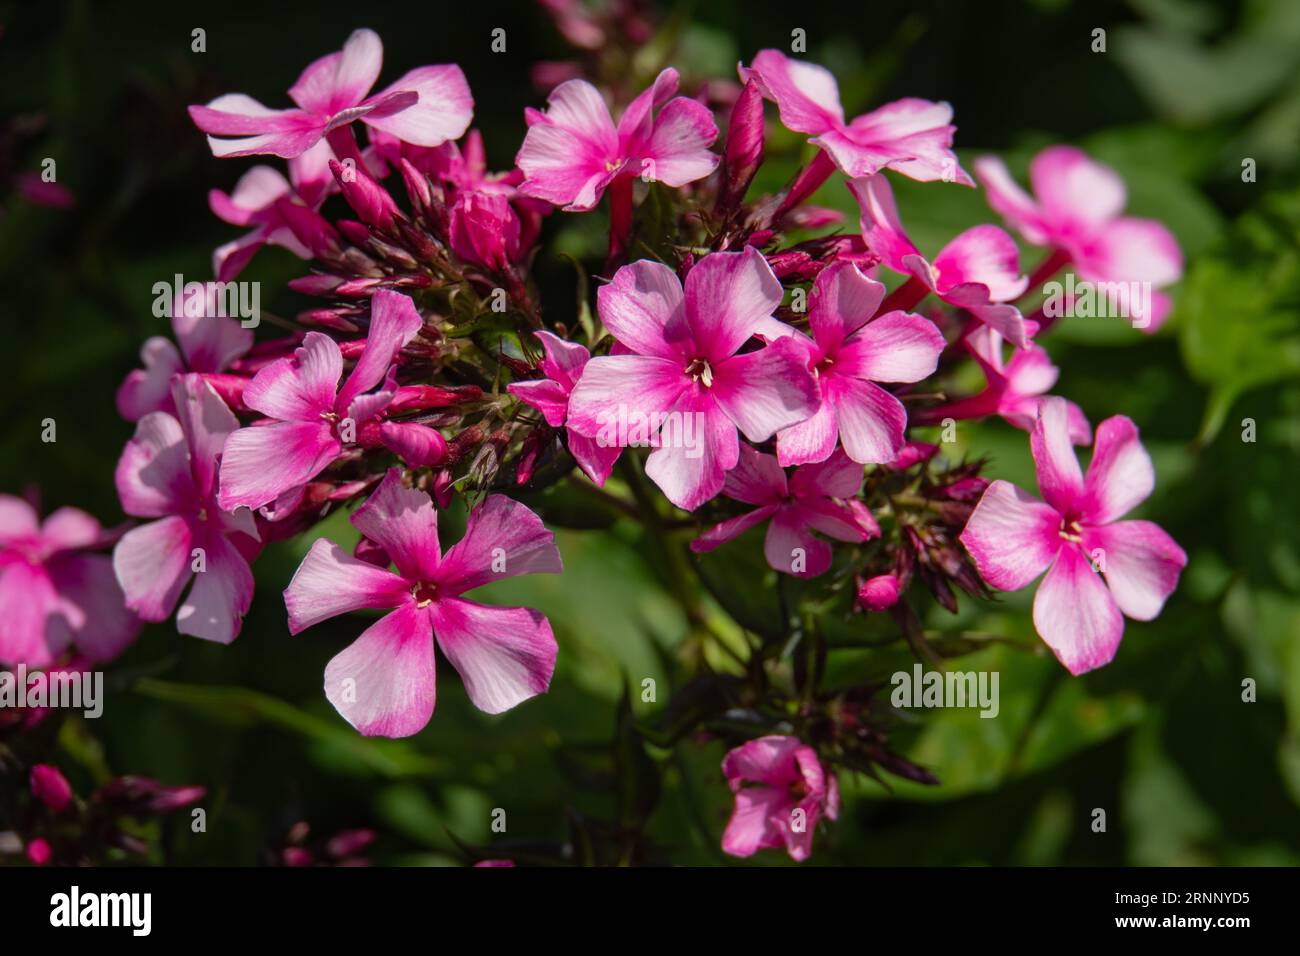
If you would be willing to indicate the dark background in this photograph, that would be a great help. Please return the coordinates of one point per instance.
(1187, 772)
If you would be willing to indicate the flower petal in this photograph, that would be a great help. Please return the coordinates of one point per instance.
(404, 522)
(300, 388)
(679, 146)
(897, 347)
(643, 309)
(843, 299)
(872, 422)
(394, 321)
(383, 682)
(791, 548)
(505, 655)
(1140, 562)
(443, 112)
(1075, 191)
(1120, 476)
(728, 295)
(1012, 536)
(340, 80)
(983, 254)
(330, 582)
(757, 479)
(1059, 477)
(766, 390)
(731, 529)
(1075, 614)
(153, 564)
(261, 462)
(153, 475)
(806, 95)
(215, 606)
(503, 539)
(620, 396)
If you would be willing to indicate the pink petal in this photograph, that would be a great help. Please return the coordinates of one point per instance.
(1074, 191)
(871, 421)
(849, 520)
(206, 421)
(637, 122)
(505, 655)
(882, 230)
(33, 633)
(838, 476)
(153, 475)
(261, 462)
(403, 521)
(443, 113)
(806, 94)
(210, 342)
(691, 476)
(1140, 562)
(767, 760)
(727, 295)
(1012, 536)
(679, 146)
(791, 548)
(564, 154)
(731, 529)
(340, 80)
(624, 389)
(750, 828)
(394, 321)
(1075, 614)
(257, 129)
(766, 390)
(18, 519)
(897, 347)
(215, 606)
(149, 389)
(1133, 250)
(1009, 200)
(811, 440)
(843, 299)
(547, 396)
(153, 563)
(256, 190)
(330, 582)
(643, 309)
(503, 539)
(1059, 478)
(1120, 476)
(757, 479)
(983, 254)
(299, 388)
(595, 460)
(383, 682)
(912, 136)
(102, 627)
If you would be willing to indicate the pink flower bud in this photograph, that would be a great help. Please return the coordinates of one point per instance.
(879, 593)
(366, 196)
(417, 445)
(50, 787)
(744, 149)
(485, 230)
(371, 553)
(39, 852)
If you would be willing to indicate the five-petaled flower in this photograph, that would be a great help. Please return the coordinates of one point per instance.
(782, 791)
(383, 684)
(1074, 534)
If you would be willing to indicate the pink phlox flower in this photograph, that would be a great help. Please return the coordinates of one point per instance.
(209, 343)
(850, 352)
(820, 497)
(681, 383)
(562, 364)
(573, 151)
(1099, 569)
(911, 136)
(55, 593)
(383, 683)
(426, 107)
(782, 791)
(168, 472)
(1076, 207)
(979, 270)
(310, 416)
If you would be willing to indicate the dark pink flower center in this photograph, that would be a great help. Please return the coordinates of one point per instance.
(1070, 529)
(425, 593)
(700, 371)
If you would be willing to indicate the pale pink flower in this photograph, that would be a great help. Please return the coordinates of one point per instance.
(782, 791)
(911, 136)
(820, 497)
(562, 364)
(1014, 391)
(1099, 569)
(573, 151)
(426, 107)
(168, 472)
(1076, 208)
(301, 396)
(54, 594)
(849, 352)
(979, 270)
(679, 369)
(208, 344)
(383, 684)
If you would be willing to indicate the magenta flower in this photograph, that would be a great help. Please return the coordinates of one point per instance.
(679, 383)
(1076, 209)
(383, 684)
(209, 342)
(426, 107)
(979, 270)
(1015, 389)
(1075, 534)
(820, 497)
(911, 136)
(573, 151)
(849, 352)
(168, 471)
(782, 791)
(311, 417)
(50, 786)
(54, 594)
(562, 364)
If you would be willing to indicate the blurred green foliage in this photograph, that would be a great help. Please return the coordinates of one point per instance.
(1161, 739)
